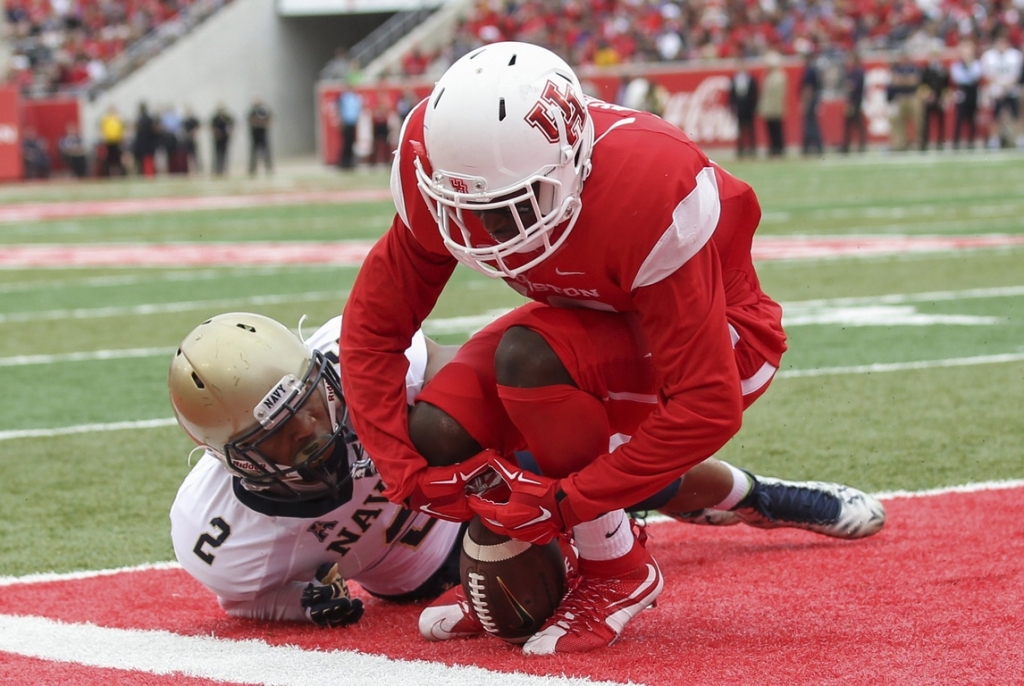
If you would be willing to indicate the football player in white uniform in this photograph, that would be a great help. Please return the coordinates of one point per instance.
(283, 506)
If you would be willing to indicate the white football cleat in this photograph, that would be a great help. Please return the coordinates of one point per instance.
(825, 508)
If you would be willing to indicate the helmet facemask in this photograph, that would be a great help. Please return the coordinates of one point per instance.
(318, 469)
(506, 127)
(538, 208)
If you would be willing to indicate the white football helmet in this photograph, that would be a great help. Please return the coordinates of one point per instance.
(237, 379)
(507, 125)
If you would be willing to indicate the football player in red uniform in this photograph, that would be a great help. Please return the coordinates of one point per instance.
(649, 326)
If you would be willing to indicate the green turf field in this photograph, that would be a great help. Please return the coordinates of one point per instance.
(942, 404)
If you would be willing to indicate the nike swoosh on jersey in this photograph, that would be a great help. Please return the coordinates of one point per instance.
(567, 273)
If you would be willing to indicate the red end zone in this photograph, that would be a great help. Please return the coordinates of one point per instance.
(935, 598)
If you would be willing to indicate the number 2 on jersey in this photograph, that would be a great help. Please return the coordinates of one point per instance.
(211, 541)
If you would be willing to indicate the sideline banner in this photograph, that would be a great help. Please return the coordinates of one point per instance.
(697, 102)
(10, 138)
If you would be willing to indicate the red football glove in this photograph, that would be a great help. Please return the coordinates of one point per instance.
(536, 511)
(441, 491)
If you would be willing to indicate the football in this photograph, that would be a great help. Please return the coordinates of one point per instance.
(512, 586)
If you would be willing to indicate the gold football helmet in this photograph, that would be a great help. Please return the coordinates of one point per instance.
(270, 409)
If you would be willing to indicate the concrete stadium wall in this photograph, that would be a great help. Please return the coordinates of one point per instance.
(243, 50)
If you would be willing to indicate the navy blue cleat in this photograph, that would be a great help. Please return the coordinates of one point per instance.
(825, 508)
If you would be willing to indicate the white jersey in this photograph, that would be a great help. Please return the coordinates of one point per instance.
(258, 555)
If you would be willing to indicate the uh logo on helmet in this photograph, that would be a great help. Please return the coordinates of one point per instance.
(557, 115)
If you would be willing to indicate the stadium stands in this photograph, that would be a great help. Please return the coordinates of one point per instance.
(70, 47)
(608, 32)
(75, 46)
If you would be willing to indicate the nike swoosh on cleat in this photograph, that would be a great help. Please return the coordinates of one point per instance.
(439, 631)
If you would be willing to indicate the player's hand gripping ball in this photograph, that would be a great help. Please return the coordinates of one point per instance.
(512, 586)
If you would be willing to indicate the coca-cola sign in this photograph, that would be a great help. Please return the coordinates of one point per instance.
(703, 113)
(697, 101)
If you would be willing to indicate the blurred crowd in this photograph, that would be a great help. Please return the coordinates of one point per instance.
(71, 46)
(612, 32)
(68, 45)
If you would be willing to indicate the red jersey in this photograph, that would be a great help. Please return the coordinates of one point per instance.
(663, 232)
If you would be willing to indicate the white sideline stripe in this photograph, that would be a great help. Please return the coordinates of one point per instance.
(435, 326)
(963, 488)
(86, 428)
(22, 360)
(902, 298)
(880, 367)
(214, 306)
(471, 322)
(231, 661)
(1002, 484)
(222, 273)
(46, 577)
(791, 374)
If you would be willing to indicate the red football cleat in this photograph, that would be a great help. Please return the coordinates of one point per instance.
(596, 610)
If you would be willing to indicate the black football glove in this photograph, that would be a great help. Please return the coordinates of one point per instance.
(327, 602)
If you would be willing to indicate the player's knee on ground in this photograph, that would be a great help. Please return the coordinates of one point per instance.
(438, 437)
(524, 359)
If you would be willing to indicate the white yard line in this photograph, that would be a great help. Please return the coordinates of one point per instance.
(162, 308)
(86, 429)
(24, 360)
(239, 662)
(962, 488)
(471, 322)
(901, 298)
(879, 367)
(188, 275)
(792, 373)
(47, 577)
